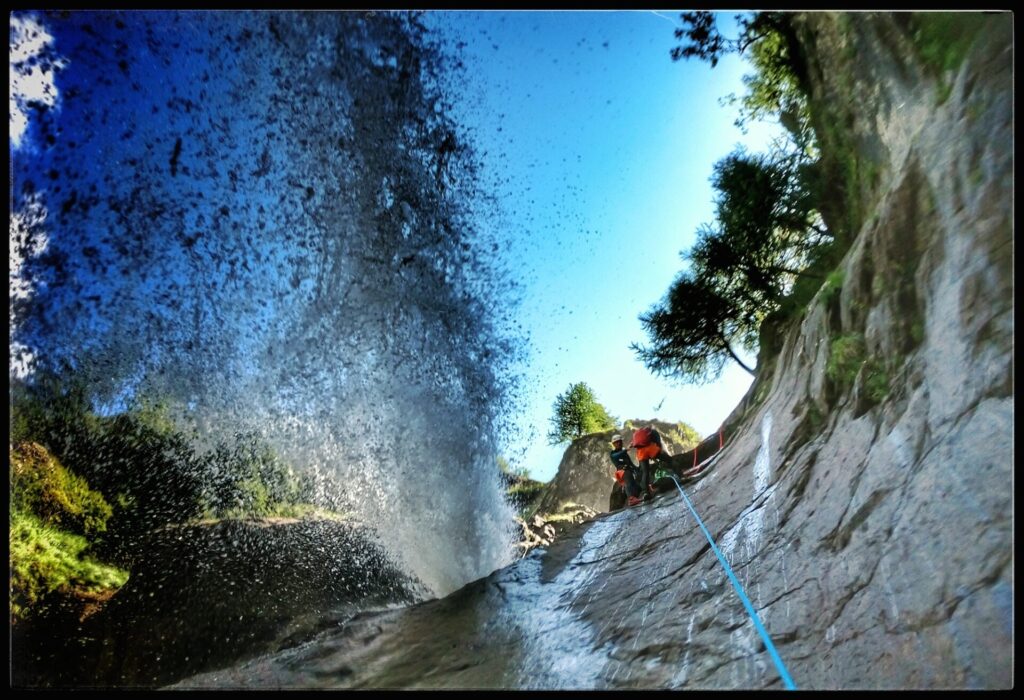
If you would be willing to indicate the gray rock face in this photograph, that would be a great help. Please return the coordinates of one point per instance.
(867, 514)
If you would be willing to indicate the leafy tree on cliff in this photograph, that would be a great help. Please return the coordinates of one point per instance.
(777, 88)
(577, 413)
(692, 331)
(766, 228)
(767, 239)
(766, 231)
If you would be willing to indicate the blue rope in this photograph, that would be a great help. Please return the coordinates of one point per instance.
(743, 596)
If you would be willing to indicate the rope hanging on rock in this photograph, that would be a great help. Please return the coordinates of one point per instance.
(786, 679)
(721, 443)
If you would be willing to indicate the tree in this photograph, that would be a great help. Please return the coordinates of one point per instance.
(766, 234)
(577, 413)
(766, 228)
(777, 88)
(692, 331)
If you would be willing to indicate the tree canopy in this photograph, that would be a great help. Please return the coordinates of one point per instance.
(577, 413)
(767, 233)
(776, 88)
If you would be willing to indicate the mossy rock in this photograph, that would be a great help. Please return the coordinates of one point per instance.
(45, 559)
(43, 486)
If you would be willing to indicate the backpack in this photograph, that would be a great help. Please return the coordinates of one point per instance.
(641, 437)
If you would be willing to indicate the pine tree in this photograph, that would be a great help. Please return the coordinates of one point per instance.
(577, 413)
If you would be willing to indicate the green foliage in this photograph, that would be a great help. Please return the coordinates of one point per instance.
(777, 87)
(943, 39)
(523, 495)
(691, 331)
(513, 474)
(41, 485)
(684, 435)
(44, 559)
(876, 381)
(577, 413)
(766, 242)
(765, 228)
(846, 356)
(87, 487)
(833, 284)
(147, 468)
(246, 477)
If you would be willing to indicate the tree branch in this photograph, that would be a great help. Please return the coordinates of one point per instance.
(728, 349)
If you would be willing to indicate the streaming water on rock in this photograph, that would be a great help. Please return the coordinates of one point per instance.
(270, 222)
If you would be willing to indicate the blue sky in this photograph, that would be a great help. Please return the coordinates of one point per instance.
(603, 148)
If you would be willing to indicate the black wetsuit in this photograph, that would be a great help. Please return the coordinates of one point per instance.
(621, 460)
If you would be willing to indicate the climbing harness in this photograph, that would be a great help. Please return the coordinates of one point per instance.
(743, 596)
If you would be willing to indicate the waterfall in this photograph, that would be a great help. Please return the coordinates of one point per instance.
(268, 221)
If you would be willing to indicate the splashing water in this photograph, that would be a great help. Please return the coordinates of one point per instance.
(269, 222)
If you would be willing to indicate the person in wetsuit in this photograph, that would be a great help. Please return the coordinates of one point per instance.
(620, 458)
(649, 453)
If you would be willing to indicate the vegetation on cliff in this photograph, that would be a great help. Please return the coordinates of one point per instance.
(53, 516)
(521, 491)
(768, 247)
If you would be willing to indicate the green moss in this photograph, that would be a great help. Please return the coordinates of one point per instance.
(815, 418)
(917, 331)
(876, 381)
(943, 39)
(834, 283)
(846, 355)
(44, 559)
(877, 286)
(42, 486)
